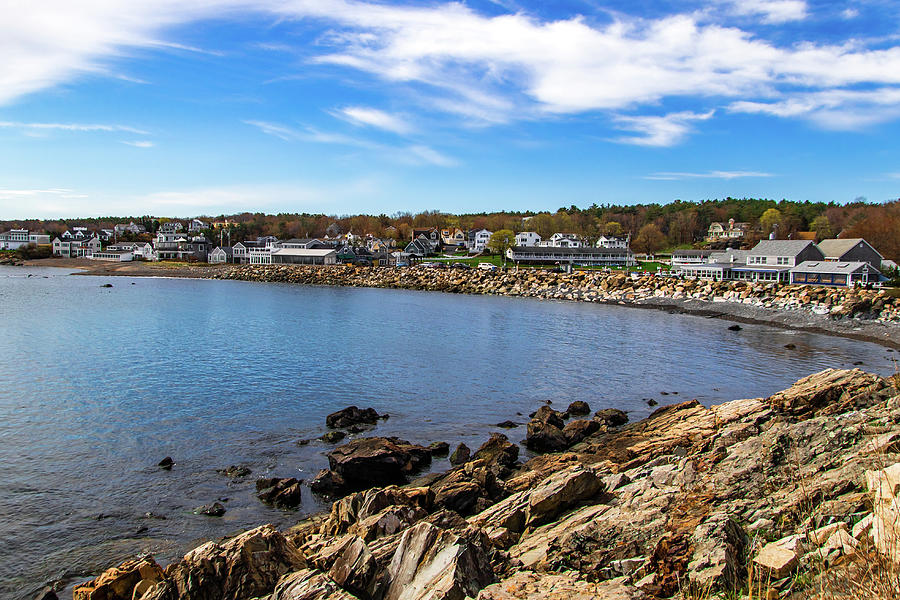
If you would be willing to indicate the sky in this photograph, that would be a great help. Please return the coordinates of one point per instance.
(207, 107)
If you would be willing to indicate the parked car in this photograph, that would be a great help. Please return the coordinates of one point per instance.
(459, 265)
(487, 266)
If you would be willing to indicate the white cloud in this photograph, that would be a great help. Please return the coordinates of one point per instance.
(140, 144)
(666, 130)
(771, 11)
(832, 109)
(849, 13)
(431, 156)
(676, 176)
(80, 127)
(372, 117)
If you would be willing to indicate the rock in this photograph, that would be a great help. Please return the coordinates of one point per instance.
(245, 566)
(578, 409)
(106, 285)
(549, 416)
(545, 432)
(790, 346)
(498, 451)
(735, 328)
(611, 417)
(216, 509)
(526, 585)
(355, 569)
(460, 455)
(285, 493)
(351, 416)
(831, 391)
(863, 527)
(432, 563)
(577, 430)
(46, 594)
(651, 402)
(884, 484)
(718, 553)
(309, 584)
(304, 442)
(507, 425)
(119, 582)
(439, 448)
(467, 489)
(354, 509)
(561, 491)
(166, 463)
(235, 471)
(333, 437)
(328, 483)
(777, 560)
(368, 462)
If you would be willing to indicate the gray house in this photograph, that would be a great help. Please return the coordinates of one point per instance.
(835, 273)
(772, 260)
(851, 250)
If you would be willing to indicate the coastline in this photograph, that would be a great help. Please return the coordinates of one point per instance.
(545, 286)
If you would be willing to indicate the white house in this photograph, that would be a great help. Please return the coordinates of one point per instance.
(76, 248)
(222, 254)
(197, 225)
(304, 256)
(16, 238)
(611, 241)
(113, 255)
(481, 239)
(527, 238)
(772, 260)
(562, 240)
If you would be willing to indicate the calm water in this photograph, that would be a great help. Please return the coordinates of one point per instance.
(98, 384)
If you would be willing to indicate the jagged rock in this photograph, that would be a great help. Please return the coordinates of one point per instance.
(46, 594)
(352, 416)
(498, 451)
(545, 431)
(369, 462)
(355, 570)
(333, 437)
(328, 483)
(216, 509)
(166, 463)
(611, 417)
(577, 430)
(119, 582)
(467, 489)
(460, 455)
(279, 492)
(439, 448)
(357, 507)
(830, 392)
(431, 563)
(309, 584)
(718, 553)
(526, 585)
(777, 560)
(561, 491)
(578, 408)
(245, 566)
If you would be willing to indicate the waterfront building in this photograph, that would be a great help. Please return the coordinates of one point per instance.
(113, 255)
(194, 249)
(480, 239)
(221, 254)
(851, 250)
(16, 238)
(772, 260)
(528, 238)
(72, 248)
(718, 265)
(562, 240)
(304, 256)
(604, 257)
(611, 241)
(834, 273)
(689, 258)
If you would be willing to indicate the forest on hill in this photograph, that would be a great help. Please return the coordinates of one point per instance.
(652, 227)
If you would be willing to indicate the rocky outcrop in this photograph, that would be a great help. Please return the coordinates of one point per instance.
(282, 492)
(367, 462)
(352, 416)
(545, 431)
(611, 417)
(499, 453)
(832, 391)
(120, 582)
(579, 408)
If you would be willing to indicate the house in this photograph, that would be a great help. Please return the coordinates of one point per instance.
(527, 238)
(772, 260)
(563, 240)
(181, 248)
(142, 250)
(113, 255)
(303, 243)
(851, 250)
(606, 257)
(76, 248)
(131, 227)
(240, 253)
(835, 273)
(687, 258)
(222, 254)
(732, 230)
(304, 256)
(718, 265)
(197, 225)
(480, 240)
(171, 227)
(421, 246)
(611, 241)
(106, 234)
(77, 233)
(378, 245)
(16, 238)
(453, 236)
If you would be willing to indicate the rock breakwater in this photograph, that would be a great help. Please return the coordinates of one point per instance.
(587, 286)
(689, 498)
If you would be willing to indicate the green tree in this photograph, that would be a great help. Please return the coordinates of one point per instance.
(501, 241)
(822, 226)
(649, 239)
(769, 221)
(613, 228)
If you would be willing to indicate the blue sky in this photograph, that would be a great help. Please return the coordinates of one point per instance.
(180, 108)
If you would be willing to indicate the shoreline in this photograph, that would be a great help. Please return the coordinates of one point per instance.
(798, 319)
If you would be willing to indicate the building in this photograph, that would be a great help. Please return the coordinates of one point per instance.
(304, 256)
(851, 250)
(480, 240)
(304, 243)
(772, 260)
(170, 227)
(197, 225)
(727, 231)
(76, 248)
(835, 273)
(194, 249)
(611, 241)
(605, 257)
(143, 250)
(718, 265)
(562, 240)
(421, 246)
(453, 236)
(131, 227)
(527, 239)
(113, 255)
(16, 238)
(688, 258)
(222, 254)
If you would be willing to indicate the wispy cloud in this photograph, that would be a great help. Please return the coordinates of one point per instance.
(676, 176)
(770, 11)
(661, 131)
(140, 143)
(82, 127)
(372, 117)
(832, 109)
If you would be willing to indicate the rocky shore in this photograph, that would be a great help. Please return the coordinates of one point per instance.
(775, 495)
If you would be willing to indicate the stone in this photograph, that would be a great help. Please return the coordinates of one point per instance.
(578, 429)
(507, 424)
(735, 328)
(46, 594)
(235, 471)
(309, 584)
(820, 536)
(561, 491)
(167, 463)
(355, 570)
(333, 437)
(436, 564)
(863, 527)
(579, 408)
(216, 509)
(119, 582)
(498, 451)
(830, 392)
(527, 585)
(611, 417)
(545, 431)
(281, 492)
(368, 462)
(777, 560)
(351, 416)
(328, 483)
(439, 448)
(460, 455)
(467, 489)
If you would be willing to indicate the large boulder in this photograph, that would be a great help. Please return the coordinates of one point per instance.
(611, 417)
(375, 461)
(831, 391)
(352, 416)
(245, 566)
(310, 584)
(119, 582)
(433, 564)
(356, 508)
(498, 452)
(355, 569)
(577, 430)
(468, 489)
(579, 408)
(279, 492)
(545, 431)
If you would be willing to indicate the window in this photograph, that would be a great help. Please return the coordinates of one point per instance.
(782, 260)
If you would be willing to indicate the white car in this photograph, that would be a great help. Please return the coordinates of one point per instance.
(487, 266)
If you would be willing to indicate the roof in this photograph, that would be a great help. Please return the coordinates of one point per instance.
(728, 255)
(226, 249)
(568, 251)
(830, 266)
(303, 251)
(836, 248)
(692, 253)
(779, 247)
